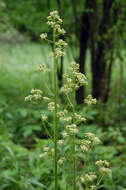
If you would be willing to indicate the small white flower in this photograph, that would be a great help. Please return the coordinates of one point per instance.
(43, 36)
(43, 117)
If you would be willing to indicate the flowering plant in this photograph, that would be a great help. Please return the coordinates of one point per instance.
(68, 149)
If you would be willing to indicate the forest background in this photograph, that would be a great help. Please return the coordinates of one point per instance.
(96, 34)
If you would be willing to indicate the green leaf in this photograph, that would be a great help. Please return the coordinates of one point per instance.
(9, 149)
(34, 182)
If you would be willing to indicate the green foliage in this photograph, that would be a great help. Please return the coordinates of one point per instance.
(17, 77)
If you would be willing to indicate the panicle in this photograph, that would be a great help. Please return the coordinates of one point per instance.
(79, 118)
(43, 36)
(59, 52)
(72, 128)
(35, 95)
(43, 68)
(95, 140)
(84, 148)
(61, 43)
(51, 106)
(90, 100)
(102, 163)
(89, 177)
(54, 21)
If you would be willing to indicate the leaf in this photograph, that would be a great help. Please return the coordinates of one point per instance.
(34, 182)
(9, 115)
(28, 130)
(11, 179)
(9, 149)
(23, 112)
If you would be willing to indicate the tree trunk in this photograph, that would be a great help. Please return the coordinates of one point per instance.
(100, 81)
(84, 37)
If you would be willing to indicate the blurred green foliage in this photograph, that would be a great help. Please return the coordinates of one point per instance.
(21, 133)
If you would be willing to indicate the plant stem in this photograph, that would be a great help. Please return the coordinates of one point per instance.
(47, 131)
(74, 144)
(55, 113)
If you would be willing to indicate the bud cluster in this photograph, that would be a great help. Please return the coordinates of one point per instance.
(43, 68)
(90, 100)
(72, 129)
(103, 167)
(94, 139)
(35, 95)
(89, 177)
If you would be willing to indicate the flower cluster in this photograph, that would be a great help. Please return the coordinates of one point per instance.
(94, 139)
(62, 116)
(89, 140)
(75, 81)
(103, 167)
(46, 99)
(54, 21)
(35, 95)
(85, 145)
(89, 177)
(64, 134)
(79, 118)
(43, 36)
(81, 78)
(43, 117)
(72, 129)
(46, 150)
(61, 43)
(43, 68)
(60, 142)
(90, 100)
(51, 106)
(59, 52)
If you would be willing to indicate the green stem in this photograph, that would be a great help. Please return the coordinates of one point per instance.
(99, 181)
(55, 113)
(74, 144)
(47, 131)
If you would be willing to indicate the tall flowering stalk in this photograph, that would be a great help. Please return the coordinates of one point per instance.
(66, 143)
(54, 21)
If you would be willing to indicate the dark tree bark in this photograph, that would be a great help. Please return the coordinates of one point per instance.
(84, 37)
(101, 74)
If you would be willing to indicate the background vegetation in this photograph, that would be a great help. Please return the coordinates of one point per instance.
(96, 34)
